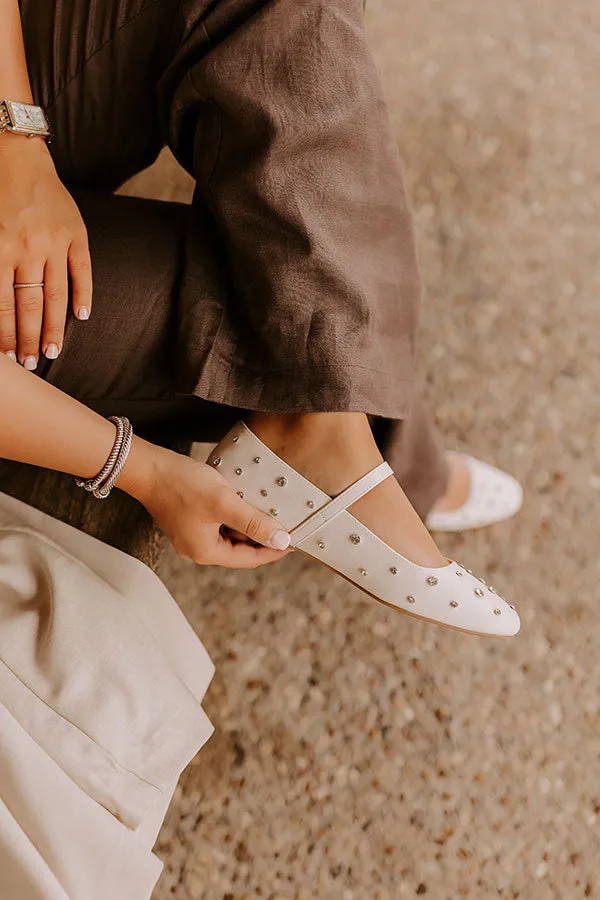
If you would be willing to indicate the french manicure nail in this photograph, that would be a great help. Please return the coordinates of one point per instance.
(11, 355)
(51, 351)
(280, 540)
(83, 313)
(30, 363)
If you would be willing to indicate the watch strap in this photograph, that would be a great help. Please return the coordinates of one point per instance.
(4, 117)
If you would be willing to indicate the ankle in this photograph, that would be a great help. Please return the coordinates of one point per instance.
(316, 427)
(331, 449)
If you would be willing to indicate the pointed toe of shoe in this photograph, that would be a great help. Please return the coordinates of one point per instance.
(494, 497)
(503, 495)
(512, 623)
(468, 604)
(499, 621)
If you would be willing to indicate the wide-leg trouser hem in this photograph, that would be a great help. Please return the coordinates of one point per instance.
(305, 390)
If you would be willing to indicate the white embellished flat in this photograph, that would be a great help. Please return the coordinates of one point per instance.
(494, 497)
(322, 527)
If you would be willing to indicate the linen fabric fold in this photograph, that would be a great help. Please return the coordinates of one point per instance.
(101, 684)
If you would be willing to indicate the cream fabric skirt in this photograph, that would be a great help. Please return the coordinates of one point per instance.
(101, 684)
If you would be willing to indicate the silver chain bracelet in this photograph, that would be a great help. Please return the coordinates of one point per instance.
(102, 484)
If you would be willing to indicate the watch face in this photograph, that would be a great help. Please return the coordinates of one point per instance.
(28, 117)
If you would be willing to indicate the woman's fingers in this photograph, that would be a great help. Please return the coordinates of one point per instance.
(249, 523)
(80, 268)
(243, 556)
(8, 316)
(258, 526)
(29, 302)
(194, 506)
(56, 292)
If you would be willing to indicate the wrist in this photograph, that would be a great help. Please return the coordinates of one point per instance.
(21, 146)
(140, 473)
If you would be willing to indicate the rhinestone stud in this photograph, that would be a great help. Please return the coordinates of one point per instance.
(217, 461)
(432, 580)
(478, 592)
(512, 607)
(355, 538)
(310, 504)
(235, 438)
(282, 481)
(238, 471)
(363, 572)
(240, 494)
(497, 611)
(469, 571)
(264, 492)
(257, 459)
(321, 545)
(274, 512)
(460, 574)
(394, 570)
(454, 603)
(410, 598)
(492, 590)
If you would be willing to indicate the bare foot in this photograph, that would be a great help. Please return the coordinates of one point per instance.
(333, 450)
(459, 484)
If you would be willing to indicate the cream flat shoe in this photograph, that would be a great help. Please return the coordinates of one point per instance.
(494, 497)
(322, 527)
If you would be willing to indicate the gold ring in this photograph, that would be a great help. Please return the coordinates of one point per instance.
(22, 284)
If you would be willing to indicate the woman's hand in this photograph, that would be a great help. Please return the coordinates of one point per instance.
(42, 238)
(192, 503)
(189, 500)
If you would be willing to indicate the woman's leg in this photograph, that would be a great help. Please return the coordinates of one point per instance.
(287, 135)
(333, 450)
(124, 361)
(296, 162)
(277, 110)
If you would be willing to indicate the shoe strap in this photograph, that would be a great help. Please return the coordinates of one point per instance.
(334, 507)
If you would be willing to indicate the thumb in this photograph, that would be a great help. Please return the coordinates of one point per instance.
(256, 525)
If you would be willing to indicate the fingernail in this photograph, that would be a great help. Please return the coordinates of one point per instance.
(83, 313)
(30, 363)
(280, 540)
(51, 351)
(11, 355)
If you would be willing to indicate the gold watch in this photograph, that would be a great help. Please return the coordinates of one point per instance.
(23, 118)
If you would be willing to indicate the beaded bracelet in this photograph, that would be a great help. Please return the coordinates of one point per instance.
(102, 483)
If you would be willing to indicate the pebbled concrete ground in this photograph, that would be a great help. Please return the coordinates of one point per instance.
(360, 755)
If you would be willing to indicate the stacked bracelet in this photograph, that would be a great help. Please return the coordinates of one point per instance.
(102, 484)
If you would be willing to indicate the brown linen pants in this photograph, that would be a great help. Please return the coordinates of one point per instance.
(291, 283)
